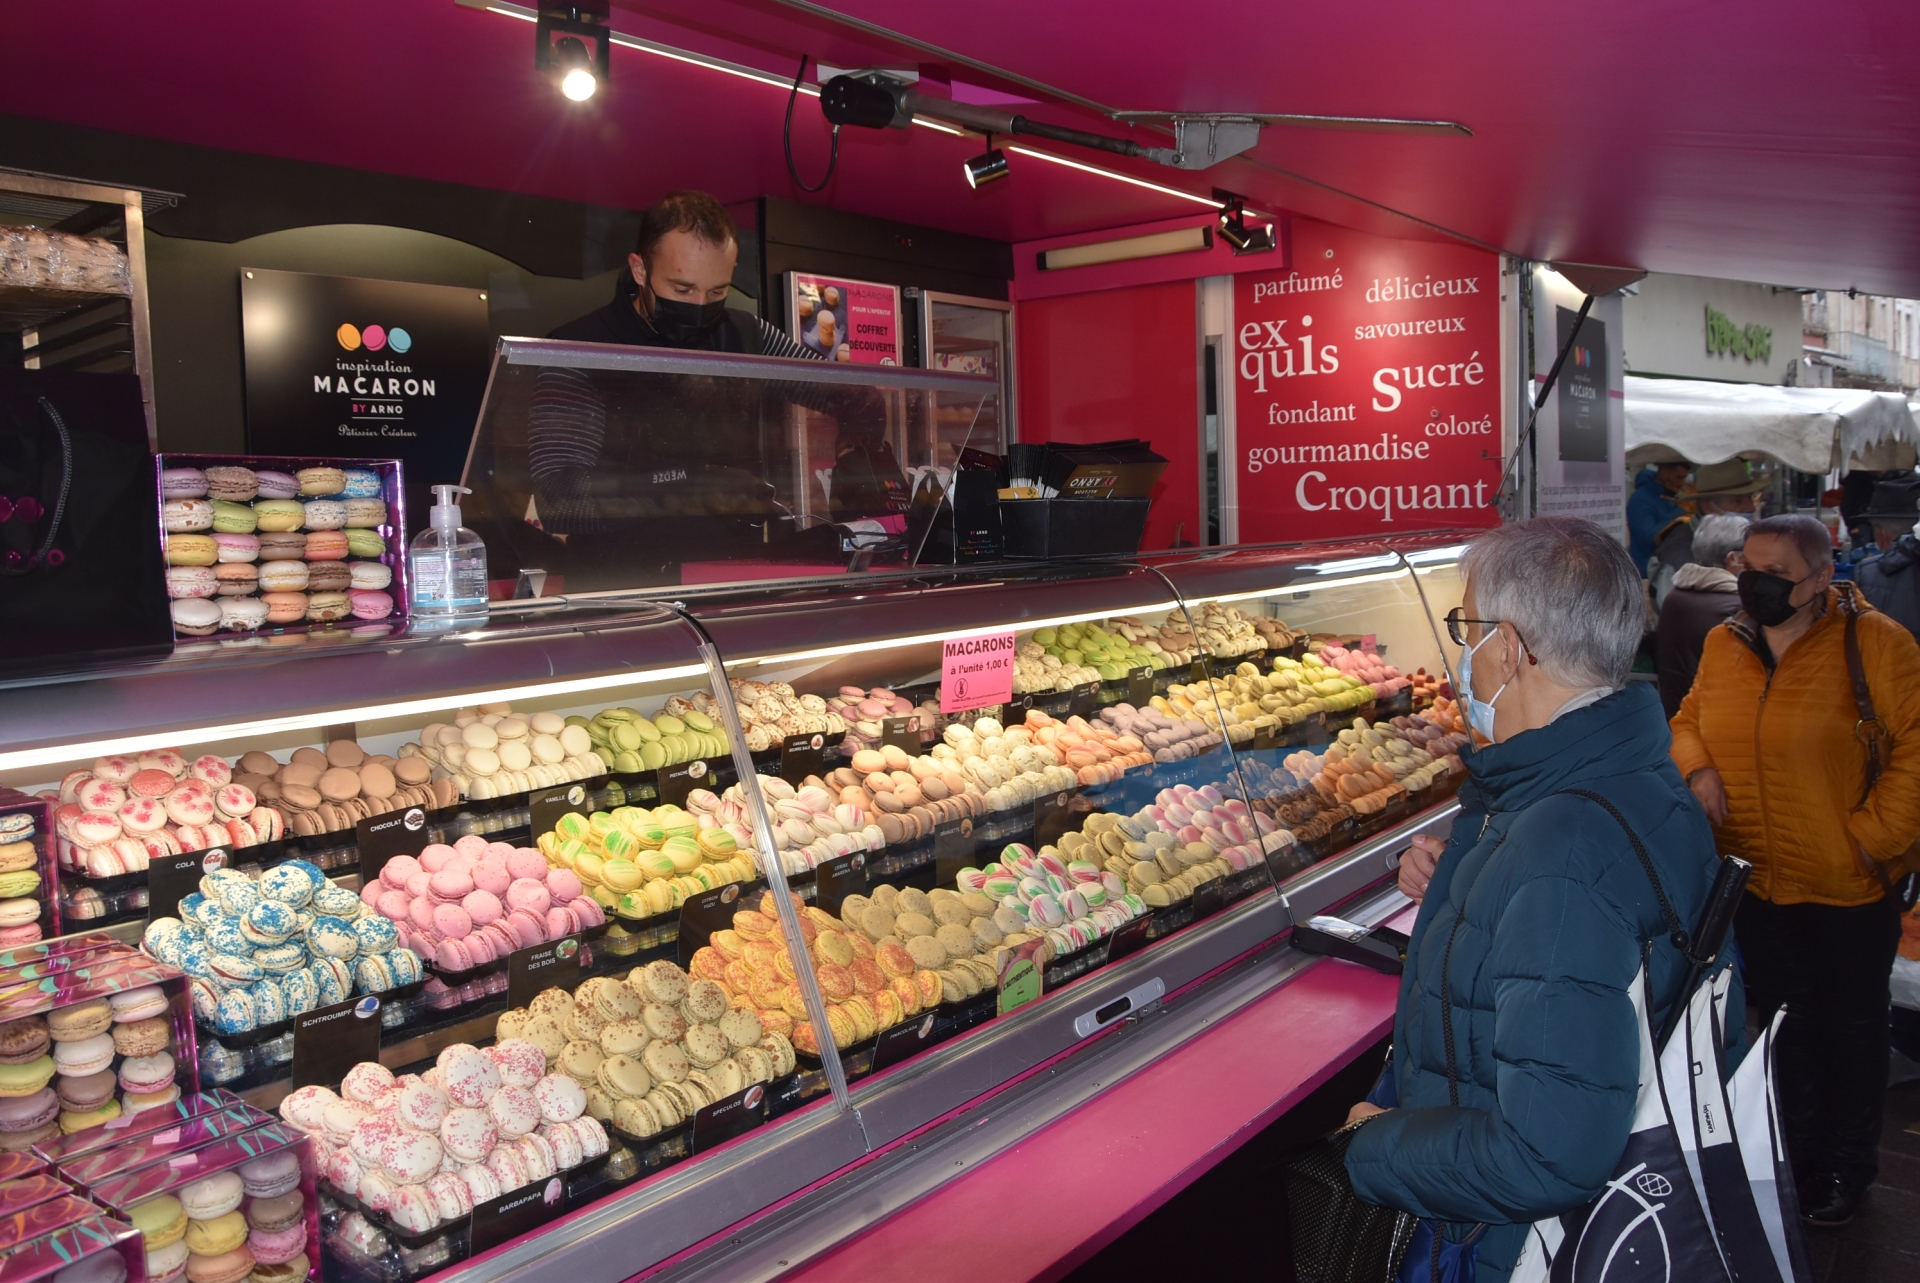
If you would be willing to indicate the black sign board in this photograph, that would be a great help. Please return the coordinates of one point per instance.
(901, 732)
(546, 806)
(801, 756)
(1201, 668)
(1052, 816)
(835, 880)
(954, 849)
(173, 878)
(1209, 897)
(678, 781)
(908, 1038)
(1129, 937)
(1224, 665)
(724, 1119)
(515, 1213)
(1582, 398)
(381, 837)
(329, 1041)
(544, 966)
(712, 911)
(1265, 737)
(1140, 685)
(343, 368)
(1086, 700)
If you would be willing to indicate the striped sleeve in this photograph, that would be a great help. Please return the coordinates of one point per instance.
(567, 424)
(775, 342)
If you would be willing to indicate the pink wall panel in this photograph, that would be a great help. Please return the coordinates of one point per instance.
(1120, 363)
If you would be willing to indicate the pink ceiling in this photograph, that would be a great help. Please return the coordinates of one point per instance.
(1740, 138)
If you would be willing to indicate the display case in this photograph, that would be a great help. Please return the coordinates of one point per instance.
(969, 335)
(767, 788)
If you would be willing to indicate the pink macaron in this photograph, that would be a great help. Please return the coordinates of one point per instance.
(451, 921)
(418, 883)
(420, 912)
(453, 955)
(561, 922)
(396, 871)
(501, 849)
(434, 858)
(449, 886)
(392, 904)
(471, 844)
(563, 885)
(482, 906)
(500, 940)
(490, 874)
(527, 929)
(370, 894)
(369, 603)
(527, 864)
(587, 910)
(484, 948)
(526, 893)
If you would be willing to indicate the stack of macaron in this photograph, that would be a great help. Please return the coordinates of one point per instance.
(769, 712)
(21, 891)
(645, 861)
(423, 1149)
(201, 1234)
(125, 810)
(490, 752)
(865, 713)
(259, 953)
(810, 823)
(1056, 892)
(81, 1065)
(251, 548)
(650, 1050)
(325, 791)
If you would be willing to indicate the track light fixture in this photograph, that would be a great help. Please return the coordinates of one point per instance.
(578, 72)
(987, 166)
(1233, 225)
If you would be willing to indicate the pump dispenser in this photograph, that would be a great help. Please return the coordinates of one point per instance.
(449, 567)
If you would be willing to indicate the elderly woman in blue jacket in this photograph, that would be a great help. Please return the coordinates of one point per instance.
(1516, 1058)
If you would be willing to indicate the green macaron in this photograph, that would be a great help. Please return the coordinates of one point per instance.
(234, 518)
(361, 543)
(277, 515)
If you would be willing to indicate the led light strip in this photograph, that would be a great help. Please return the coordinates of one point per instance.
(55, 754)
(1117, 177)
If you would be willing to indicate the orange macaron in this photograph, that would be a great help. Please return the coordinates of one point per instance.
(326, 545)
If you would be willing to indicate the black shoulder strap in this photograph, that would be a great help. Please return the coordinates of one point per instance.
(1676, 930)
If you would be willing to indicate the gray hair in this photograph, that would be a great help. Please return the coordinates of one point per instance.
(1718, 537)
(1571, 591)
(1815, 544)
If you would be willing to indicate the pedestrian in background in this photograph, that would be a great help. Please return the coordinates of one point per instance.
(1774, 739)
(1728, 486)
(1888, 577)
(1705, 595)
(1652, 508)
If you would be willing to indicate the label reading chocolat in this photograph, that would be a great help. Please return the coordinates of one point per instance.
(544, 966)
(173, 878)
(515, 1213)
(954, 849)
(901, 732)
(329, 1041)
(1128, 937)
(837, 879)
(801, 756)
(678, 781)
(546, 806)
(728, 1117)
(1140, 685)
(712, 911)
(381, 837)
(905, 1039)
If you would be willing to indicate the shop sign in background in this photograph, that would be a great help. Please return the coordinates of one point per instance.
(340, 367)
(1367, 388)
(853, 321)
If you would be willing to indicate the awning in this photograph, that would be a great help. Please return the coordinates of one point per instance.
(1811, 429)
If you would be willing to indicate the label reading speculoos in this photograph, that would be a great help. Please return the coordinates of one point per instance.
(712, 911)
(801, 756)
(515, 1212)
(544, 966)
(728, 1117)
(329, 1041)
(546, 806)
(381, 837)
(173, 878)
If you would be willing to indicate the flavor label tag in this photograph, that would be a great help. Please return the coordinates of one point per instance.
(546, 806)
(837, 879)
(1052, 816)
(1209, 898)
(976, 670)
(1129, 937)
(381, 837)
(515, 1213)
(1369, 644)
(329, 1041)
(724, 1119)
(905, 1039)
(173, 878)
(544, 966)
(1021, 976)
(1140, 685)
(801, 756)
(953, 849)
(1201, 668)
(678, 781)
(712, 911)
(901, 732)
(1085, 701)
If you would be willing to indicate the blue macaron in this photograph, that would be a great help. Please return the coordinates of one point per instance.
(333, 937)
(301, 993)
(337, 902)
(195, 961)
(269, 922)
(225, 936)
(375, 934)
(269, 1002)
(286, 885)
(235, 969)
(405, 965)
(326, 985)
(205, 999)
(373, 975)
(362, 484)
(280, 959)
(235, 1013)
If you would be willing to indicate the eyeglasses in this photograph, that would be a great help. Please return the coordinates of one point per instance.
(1456, 629)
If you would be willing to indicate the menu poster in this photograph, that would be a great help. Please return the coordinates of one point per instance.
(1367, 389)
(842, 320)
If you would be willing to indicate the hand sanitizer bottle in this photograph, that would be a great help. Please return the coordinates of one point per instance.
(448, 568)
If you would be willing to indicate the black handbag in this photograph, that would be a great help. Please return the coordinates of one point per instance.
(1338, 1238)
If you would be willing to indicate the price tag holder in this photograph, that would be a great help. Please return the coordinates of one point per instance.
(173, 878)
(835, 880)
(732, 1116)
(515, 1213)
(905, 1039)
(546, 806)
(544, 966)
(712, 911)
(1014, 711)
(1265, 737)
(329, 1041)
(381, 837)
(1022, 978)
(1129, 937)
(1209, 898)
(954, 849)
(1369, 644)
(1201, 668)
(1052, 816)
(801, 756)
(1140, 685)
(678, 781)
(1224, 665)
(901, 732)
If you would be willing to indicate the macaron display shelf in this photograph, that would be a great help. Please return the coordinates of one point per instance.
(29, 896)
(258, 544)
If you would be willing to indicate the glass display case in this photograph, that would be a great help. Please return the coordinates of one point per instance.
(897, 904)
(967, 335)
(619, 467)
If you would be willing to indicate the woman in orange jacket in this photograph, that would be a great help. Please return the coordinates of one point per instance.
(1772, 742)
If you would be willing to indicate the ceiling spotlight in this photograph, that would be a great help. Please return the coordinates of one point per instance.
(1233, 225)
(987, 166)
(577, 71)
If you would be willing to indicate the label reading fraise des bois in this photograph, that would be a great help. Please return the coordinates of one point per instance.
(544, 966)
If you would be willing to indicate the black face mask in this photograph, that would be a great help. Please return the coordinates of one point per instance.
(685, 324)
(1768, 598)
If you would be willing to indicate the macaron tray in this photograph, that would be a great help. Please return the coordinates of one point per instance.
(277, 544)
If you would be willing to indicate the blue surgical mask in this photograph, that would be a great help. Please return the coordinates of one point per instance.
(1479, 715)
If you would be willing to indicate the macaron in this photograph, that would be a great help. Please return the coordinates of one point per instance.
(234, 518)
(236, 579)
(324, 514)
(362, 484)
(369, 604)
(168, 1264)
(276, 485)
(365, 513)
(161, 1221)
(80, 1021)
(228, 1267)
(326, 544)
(279, 1211)
(280, 515)
(186, 514)
(271, 1175)
(321, 481)
(232, 482)
(283, 545)
(285, 607)
(328, 576)
(243, 614)
(182, 483)
(195, 616)
(192, 550)
(365, 543)
(283, 576)
(369, 575)
(213, 1196)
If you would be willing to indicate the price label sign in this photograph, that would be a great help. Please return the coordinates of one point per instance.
(835, 880)
(329, 1041)
(1209, 898)
(801, 756)
(678, 781)
(909, 1038)
(1085, 701)
(1129, 937)
(381, 837)
(515, 1213)
(544, 966)
(1052, 816)
(954, 848)
(546, 806)
(1201, 668)
(1022, 978)
(901, 732)
(724, 1119)
(1265, 737)
(976, 671)
(173, 878)
(1369, 644)
(1140, 685)
(712, 911)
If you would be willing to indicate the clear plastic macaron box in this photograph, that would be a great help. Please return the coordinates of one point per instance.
(88, 1248)
(29, 907)
(256, 544)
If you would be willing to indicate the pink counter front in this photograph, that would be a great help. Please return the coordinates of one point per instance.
(1132, 1147)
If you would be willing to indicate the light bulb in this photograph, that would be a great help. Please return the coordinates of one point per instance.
(579, 84)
